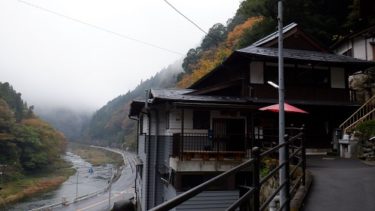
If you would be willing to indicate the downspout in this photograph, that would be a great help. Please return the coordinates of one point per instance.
(156, 153)
(148, 113)
(136, 173)
(154, 195)
(148, 158)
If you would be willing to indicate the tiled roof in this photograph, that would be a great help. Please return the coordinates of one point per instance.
(183, 95)
(302, 55)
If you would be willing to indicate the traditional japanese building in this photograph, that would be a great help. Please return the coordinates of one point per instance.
(186, 136)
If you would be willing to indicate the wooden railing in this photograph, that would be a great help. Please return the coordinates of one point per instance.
(201, 145)
(365, 112)
(250, 200)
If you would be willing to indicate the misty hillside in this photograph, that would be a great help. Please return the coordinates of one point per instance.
(110, 125)
(253, 20)
(68, 121)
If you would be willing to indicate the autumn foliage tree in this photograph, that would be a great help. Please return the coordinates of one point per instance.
(204, 61)
(27, 143)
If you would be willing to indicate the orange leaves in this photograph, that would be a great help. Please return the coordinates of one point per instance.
(235, 35)
(214, 57)
(51, 138)
(36, 123)
(208, 62)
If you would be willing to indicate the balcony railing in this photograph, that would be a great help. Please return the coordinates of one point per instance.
(250, 200)
(207, 147)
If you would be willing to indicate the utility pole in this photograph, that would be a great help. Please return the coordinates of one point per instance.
(77, 185)
(283, 153)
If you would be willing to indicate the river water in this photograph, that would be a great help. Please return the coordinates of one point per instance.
(88, 182)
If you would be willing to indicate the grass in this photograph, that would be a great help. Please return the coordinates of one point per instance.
(96, 156)
(35, 183)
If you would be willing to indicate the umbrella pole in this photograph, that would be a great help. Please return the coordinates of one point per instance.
(283, 151)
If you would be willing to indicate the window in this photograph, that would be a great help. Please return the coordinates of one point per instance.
(256, 73)
(258, 132)
(201, 119)
(373, 50)
(299, 75)
(337, 77)
(321, 78)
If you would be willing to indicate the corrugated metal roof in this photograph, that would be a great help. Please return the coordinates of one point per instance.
(303, 55)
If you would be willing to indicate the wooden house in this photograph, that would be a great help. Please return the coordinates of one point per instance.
(359, 44)
(187, 136)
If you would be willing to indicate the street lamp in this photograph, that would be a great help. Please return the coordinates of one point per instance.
(273, 84)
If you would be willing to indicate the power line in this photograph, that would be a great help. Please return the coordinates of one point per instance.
(196, 25)
(98, 27)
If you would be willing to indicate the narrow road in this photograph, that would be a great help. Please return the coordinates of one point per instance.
(122, 189)
(340, 184)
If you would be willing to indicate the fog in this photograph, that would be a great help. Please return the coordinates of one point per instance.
(80, 54)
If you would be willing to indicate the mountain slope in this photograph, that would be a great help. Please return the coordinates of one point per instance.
(69, 122)
(110, 125)
(27, 144)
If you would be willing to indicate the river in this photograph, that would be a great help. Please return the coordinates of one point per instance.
(87, 183)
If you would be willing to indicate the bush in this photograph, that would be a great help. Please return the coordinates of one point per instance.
(366, 129)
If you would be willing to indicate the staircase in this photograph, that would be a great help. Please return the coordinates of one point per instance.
(364, 113)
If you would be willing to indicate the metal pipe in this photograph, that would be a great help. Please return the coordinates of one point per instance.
(77, 185)
(148, 160)
(156, 154)
(283, 177)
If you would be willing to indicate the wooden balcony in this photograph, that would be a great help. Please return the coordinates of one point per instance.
(202, 146)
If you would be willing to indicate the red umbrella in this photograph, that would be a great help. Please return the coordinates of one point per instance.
(287, 108)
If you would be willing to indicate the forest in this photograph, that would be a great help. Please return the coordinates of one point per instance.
(326, 21)
(110, 125)
(27, 144)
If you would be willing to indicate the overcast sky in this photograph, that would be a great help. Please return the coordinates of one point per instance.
(58, 52)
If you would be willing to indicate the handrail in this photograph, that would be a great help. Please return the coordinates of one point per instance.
(241, 200)
(200, 188)
(254, 190)
(360, 119)
(369, 102)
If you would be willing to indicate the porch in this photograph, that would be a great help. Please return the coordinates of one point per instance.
(206, 147)
(225, 147)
